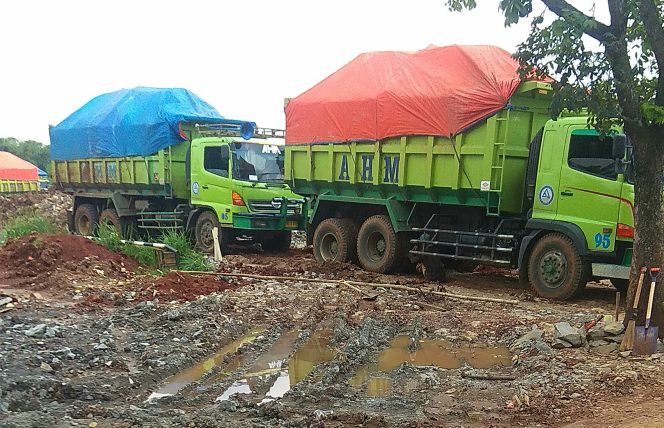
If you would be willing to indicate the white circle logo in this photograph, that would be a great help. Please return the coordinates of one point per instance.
(194, 187)
(546, 195)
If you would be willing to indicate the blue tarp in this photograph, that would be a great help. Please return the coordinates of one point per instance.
(129, 122)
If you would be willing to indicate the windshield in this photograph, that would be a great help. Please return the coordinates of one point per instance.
(258, 162)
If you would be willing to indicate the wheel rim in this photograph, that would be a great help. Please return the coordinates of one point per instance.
(206, 238)
(84, 225)
(329, 247)
(553, 268)
(376, 246)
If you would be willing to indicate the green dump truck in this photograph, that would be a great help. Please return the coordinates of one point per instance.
(148, 160)
(551, 197)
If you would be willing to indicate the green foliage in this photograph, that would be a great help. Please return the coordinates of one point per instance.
(26, 223)
(188, 259)
(34, 152)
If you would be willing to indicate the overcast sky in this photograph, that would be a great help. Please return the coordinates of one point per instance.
(243, 57)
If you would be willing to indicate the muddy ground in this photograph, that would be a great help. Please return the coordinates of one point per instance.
(90, 339)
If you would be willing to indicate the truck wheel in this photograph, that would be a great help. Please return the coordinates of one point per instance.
(333, 241)
(86, 219)
(555, 268)
(204, 239)
(432, 268)
(110, 217)
(377, 245)
(279, 242)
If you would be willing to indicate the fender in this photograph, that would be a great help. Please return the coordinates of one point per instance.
(539, 227)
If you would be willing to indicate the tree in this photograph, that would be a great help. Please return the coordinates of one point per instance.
(619, 81)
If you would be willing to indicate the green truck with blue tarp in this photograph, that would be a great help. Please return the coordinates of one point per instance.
(148, 160)
(446, 158)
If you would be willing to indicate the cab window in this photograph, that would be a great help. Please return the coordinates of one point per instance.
(215, 160)
(592, 155)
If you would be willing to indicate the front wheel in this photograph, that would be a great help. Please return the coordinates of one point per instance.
(204, 238)
(86, 219)
(555, 268)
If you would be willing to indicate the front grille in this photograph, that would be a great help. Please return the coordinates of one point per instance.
(265, 206)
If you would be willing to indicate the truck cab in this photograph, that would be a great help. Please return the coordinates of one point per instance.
(582, 195)
(240, 184)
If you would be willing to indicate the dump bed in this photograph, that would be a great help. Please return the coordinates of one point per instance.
(483, 166)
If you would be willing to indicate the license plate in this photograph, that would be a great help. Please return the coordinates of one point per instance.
(291, 224)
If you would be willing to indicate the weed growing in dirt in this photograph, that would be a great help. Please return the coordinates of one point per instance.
(26, 223)
(188, 258)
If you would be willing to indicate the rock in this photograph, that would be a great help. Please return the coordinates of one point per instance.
(598, 342)
(560, 344)
(625, 354)
(595, 333)
(614, 328)
(36, 331)
(606, 349)
(52, 331)
(575, 395)
(535, 334)
(45, 367)
(564, 331)
(615, 339)
(543, 348)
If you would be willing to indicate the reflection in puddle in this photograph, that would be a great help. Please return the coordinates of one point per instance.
(315, 351)
(195, 373)
(429, 353)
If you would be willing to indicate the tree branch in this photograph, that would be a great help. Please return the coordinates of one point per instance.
(652, 23)
(561, 8)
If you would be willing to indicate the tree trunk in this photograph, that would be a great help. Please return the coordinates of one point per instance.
(648, 216)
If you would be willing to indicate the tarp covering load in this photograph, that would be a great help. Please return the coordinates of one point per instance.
(14, 168)
(129, 122)
(435, 91)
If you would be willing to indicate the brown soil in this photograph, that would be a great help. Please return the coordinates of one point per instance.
(183, 287)
(36, 255)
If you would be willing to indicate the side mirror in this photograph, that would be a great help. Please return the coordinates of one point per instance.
(619, 146)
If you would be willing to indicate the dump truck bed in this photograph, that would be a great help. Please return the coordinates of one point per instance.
(483, 166)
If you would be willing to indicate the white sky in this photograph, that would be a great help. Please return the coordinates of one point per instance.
(243, 57)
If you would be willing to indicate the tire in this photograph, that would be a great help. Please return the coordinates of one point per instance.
(86, 219)
(205, 222)
(110, 216)
(377, 245)
(620, 284)
(555, 268)
(279, 242)
(333, 241)
(433, 269)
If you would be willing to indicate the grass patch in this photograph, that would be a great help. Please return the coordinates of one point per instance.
(188, 258)
(26, 223)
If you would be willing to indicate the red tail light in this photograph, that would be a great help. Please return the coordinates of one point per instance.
(237, 199)
(625, 231)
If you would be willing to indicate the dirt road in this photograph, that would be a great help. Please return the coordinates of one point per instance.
(90, 339)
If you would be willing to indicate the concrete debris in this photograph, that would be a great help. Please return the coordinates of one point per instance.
(36, 331)
(565, 332)
(597, 332)
(535, 334)
(614, 328)
(606, 349)
(560, 344)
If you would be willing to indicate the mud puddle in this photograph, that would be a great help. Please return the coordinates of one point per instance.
(425, 352)
(315, 351)
(186, 377)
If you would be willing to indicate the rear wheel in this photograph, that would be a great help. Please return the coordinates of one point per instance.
(555, 268)
(204, 238)
(333, 241)
(86, 219)
(377, 245)
(279, 242)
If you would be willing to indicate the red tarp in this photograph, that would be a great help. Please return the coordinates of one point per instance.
(14, 168)
(435, 91)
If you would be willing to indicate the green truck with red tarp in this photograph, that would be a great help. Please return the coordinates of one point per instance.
(446, 158)
(148, 160)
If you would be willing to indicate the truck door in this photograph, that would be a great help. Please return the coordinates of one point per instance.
(589, 192)
(210, 178)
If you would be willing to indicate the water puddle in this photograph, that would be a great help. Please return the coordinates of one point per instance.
(315, 351)
(186, 377)
(429, 353)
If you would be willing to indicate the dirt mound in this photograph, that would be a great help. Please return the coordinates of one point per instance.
(183, 287)
(35, 255)
(52, 204)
